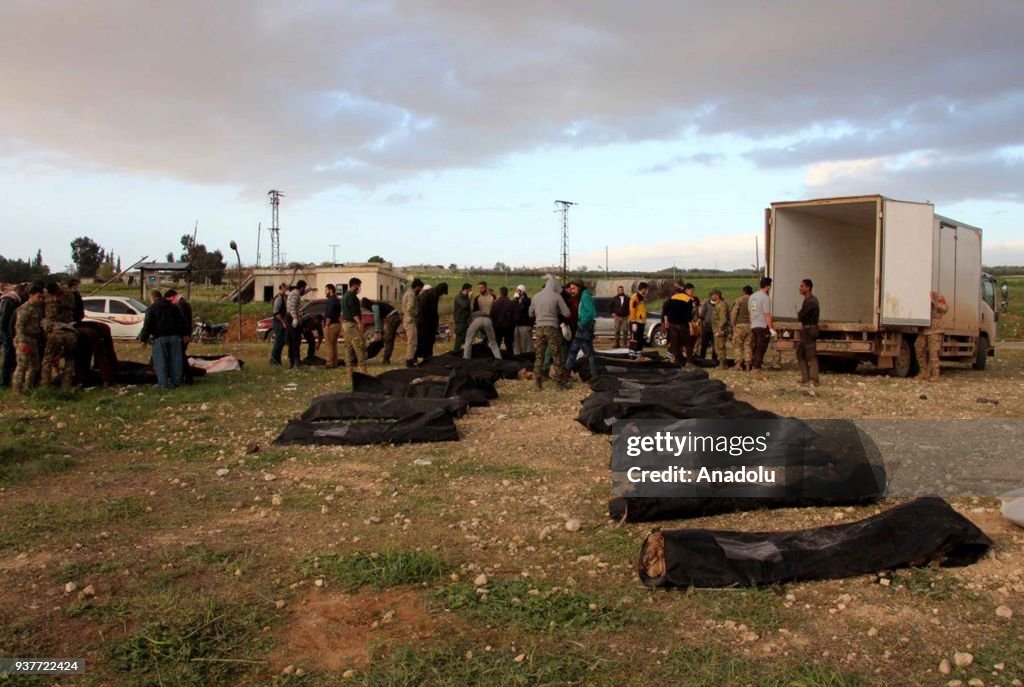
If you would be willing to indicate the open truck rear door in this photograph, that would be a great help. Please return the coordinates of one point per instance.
(906, 268)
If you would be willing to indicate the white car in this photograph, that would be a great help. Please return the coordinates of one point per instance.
(123, 315)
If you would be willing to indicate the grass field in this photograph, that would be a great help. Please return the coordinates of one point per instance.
(121, 543)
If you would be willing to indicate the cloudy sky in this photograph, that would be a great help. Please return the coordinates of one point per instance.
(444, 131)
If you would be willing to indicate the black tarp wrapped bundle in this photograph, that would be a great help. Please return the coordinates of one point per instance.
(418, 427)
(361, 406)
(925, 530)
(475, 389)
(599, 411)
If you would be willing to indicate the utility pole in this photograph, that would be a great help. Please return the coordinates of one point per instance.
(606, 262)
(275, 228)
(259, 235)
(563, 206)
(334, 253)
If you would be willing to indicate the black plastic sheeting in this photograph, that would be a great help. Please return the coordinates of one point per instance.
(693, 401)
(421, 427)
(360, 406)
(415, 383)
(917, 533)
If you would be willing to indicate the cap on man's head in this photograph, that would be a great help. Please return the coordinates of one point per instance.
(521, 287)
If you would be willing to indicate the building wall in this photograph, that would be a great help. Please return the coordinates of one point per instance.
(379, 282)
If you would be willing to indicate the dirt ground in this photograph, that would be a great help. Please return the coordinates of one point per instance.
(163, 538)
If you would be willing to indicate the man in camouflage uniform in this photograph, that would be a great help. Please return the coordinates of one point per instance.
(719, 326)
(28, 327)
(545, 308)
(929, 341)
(742, 338)
(61, 337)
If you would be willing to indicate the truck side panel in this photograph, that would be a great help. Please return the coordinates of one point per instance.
(958, 275)
(906, 268)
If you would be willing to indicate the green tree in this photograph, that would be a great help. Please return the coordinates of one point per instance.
(87, 256)
(376, 258)
(205, 265)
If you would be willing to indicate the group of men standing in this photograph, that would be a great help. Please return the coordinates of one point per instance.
(40, 332)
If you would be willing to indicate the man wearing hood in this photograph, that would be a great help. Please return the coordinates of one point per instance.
(428, 321)
(462, 313)
(547, 306)
(583, 339)
(524, 323)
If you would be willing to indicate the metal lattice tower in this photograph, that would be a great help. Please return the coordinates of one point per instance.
(562, 206)
(275, 228)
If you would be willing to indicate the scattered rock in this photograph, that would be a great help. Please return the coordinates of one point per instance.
(480, 580)
(986, 399)
(421, 462)
(573, 525)
(319, 582)
(923, 397)
(288, 670)
(976, 682)
(277, 499)
(252, 448)
(885, 582)
(374, 520)
(872, 632)
(269, 477)
(221, 472)
(279, 604)
(70, 587)
(1004, 612)
(348, 674)
(749, 636)
(944, 667)
(520, 658)
(89, 591)
(962, 659)
(955, 683)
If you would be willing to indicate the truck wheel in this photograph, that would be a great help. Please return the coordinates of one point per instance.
(658, 337)
(904, 363)
(981, 354)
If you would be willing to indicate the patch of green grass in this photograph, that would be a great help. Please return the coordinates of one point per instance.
(467, 468)
(81, 569)
(712, 666)
(212, 644)
(450, 666)
(758, 609)
(377, 570)
(100, 612)
(33, 521)
(532, 606)
(25, 457)
(263, 459)
(1008, 649)
(927, 583)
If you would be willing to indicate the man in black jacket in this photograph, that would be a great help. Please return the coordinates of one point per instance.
(462, 313)
(503, 317)
(619, 309)
(807, 345)
(79, 303)
(185, 308)
(524, 323)
(164, 325)
(9, 303)
(429, 318)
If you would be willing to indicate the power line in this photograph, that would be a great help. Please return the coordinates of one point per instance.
(563, 207)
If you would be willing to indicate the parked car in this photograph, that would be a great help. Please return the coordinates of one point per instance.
(123, 315)
(605, 325)
(313, 307)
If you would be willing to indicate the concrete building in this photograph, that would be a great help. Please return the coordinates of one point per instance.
(381, 281)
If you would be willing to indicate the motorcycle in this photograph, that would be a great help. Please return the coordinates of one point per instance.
(207, 332)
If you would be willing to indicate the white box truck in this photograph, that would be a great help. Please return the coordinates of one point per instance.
(874, 262)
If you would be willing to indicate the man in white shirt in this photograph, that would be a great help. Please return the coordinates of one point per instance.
(761, 325)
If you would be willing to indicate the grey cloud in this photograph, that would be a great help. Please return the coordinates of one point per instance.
(313, 95)
(705, 159)
(943, 181)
